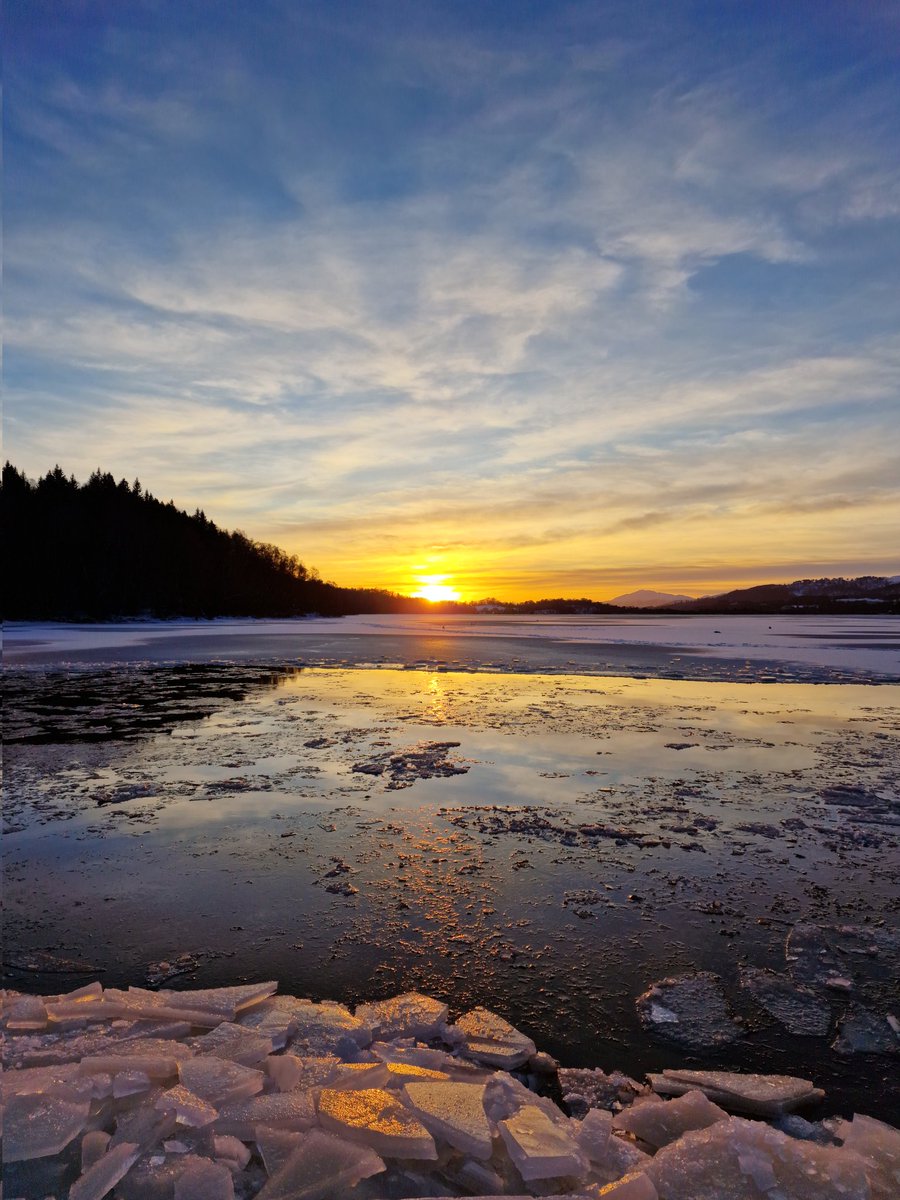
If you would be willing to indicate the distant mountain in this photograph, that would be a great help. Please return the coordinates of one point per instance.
(646, 598)
(866, 593)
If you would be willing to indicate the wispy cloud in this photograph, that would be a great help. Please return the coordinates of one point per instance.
(515, 298)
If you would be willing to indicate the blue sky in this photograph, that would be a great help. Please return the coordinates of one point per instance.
(546, 298)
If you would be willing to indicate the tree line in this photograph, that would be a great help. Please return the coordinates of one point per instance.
(107, 549)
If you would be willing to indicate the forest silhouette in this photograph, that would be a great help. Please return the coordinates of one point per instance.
(102, 550)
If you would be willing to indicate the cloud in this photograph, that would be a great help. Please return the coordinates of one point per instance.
(539, 294)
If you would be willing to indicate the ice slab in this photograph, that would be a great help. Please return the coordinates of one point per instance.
(620, 1157)
(145, 1126)
(539, 1148)
(272, 1018)
(490, 1039)
(220, 1082)
(189, 1108)
(39, 1124)
(130, 1083)
(818, 954)
(287, 1071)
(30, 1080)
(93, 1146)
(688, 1011)
(862, 1031)
(319, 1028)
(583, 1088)
(280, 1110)
(27, 1014)
(593, 1134)
(203, 1179)
(636, 1185)
(799, 1009)
(360, 1075)
(658, 1122)
(276, 1146)
(759, 1095)
(105, 1173)
(154, 1066)
(413, 1055)
(409, 1015)
(373, 1117)
(454, 1113)
(231, 1151)
(739, 1159)
(225, 1002)
(878, 1145)
(235, 1042)
(321, 1167)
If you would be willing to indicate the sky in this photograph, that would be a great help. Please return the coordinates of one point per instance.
(528, 299)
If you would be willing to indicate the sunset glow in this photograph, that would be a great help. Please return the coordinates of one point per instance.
(623, 318)
(431, 588)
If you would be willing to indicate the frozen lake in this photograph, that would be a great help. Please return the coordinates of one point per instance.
(591, 811)
(823, 649)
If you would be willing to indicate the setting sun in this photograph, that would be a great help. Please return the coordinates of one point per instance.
(431, 588)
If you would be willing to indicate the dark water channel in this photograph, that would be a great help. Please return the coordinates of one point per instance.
(545, 845)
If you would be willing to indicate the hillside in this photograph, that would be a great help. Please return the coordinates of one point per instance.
(866, 593)
(102, 550)
(647, 598)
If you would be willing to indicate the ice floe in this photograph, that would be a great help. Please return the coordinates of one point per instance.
(280, 1098)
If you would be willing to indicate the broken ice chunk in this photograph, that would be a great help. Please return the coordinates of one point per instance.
(288, 1072)
(360, 1075)
(862, 1031)
(321, 1166)
(319, 1028)
(236, 1043)
(144, 1126)
(453, 1112)
(610, 1156)
(130, 1083)
(276, 1146)
(373, 1117)
(156, 1006)
(93, 1146)
(155, 1066)
(409, 1015)
(658, 1122)
(272, 1018)
(44, 1079)
(636, 1185)
(41, 1124)
(189, 1108)
(475, 1177)
(231, 1151)
(281, 1110)
(689, 1011)
(759, 1095)
(105, 1173)
(26, 1015)
(734, 1159)
(70, 1014)
(878, 1145)
(538, 1148)
(203, 1179)
(593, 1134)
(220, 1082)
(491, 1040)
(401, 1072)
(226, 1002)
(799, 1009)
(504, 1095)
